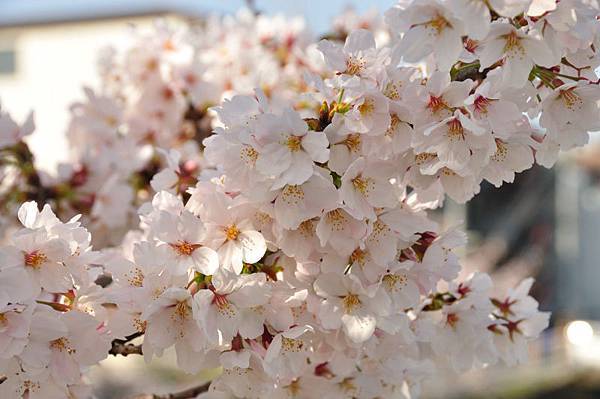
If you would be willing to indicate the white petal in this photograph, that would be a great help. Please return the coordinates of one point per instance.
(253, 246)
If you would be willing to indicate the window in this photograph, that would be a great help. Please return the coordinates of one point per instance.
(7, 62)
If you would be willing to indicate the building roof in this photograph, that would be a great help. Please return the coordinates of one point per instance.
(15, 13)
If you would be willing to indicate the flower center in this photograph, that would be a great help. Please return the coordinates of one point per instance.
(391, 90)
(571, 99)
(293, 143)
(291, 345)
(184, 248)
(455, 130)
(362, 184)
(447, 172)
(139, 324)
(111, 121)
(358, 256)
(232, 232)
(306, 229)
(34, 259)
(136, 278)
(350, 302)
(223, 305)
(62, 345)
(249, 155)
(293, 388)
(513, 44)
(423, 157)
(452, 319)
(436, 104)
(481, 104)
(354, 65)
(336, 219)
(471, 45)
(395, 121)
(439, 23)
(367, 107)
(30, 386)
(347, 385)
(501, 151)
(292, 194)
(152, 64)
(392, 281)
(352, 142)
(182, 310)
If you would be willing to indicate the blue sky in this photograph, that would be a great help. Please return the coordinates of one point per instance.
(318, 13)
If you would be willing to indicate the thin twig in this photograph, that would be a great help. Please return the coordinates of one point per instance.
(123, 347)
(185, 394)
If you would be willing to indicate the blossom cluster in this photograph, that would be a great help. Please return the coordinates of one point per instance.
(50, 325)
(155, 97)
(293, 248)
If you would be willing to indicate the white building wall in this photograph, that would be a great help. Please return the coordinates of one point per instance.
(53, 63)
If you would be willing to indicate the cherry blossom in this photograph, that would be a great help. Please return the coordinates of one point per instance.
(260, 202)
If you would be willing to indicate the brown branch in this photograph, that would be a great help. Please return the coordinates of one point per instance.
(3, 378)
(185, 394)
(123, 347)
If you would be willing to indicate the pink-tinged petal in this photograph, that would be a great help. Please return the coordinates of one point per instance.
(516, 71)
(273, 160)
(330, 314)
(359, 325)
(28, 213)
(315, 144)
(539, 52)
(448, 47)
(10, 257)
(253, 246)
(412, 47)
(206, 261)
(457, 92)
(54, 277)
(329, 284)
(274, 349)
(300, 170)
(359, 40)
(509, 8)
(491, 52)
(333, 55)
(164, 179)
(231, 257)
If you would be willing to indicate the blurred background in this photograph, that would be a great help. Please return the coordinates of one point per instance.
(546, 224)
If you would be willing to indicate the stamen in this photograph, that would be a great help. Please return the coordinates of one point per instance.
(34, 259)
(367, 106)
(439, 23)
(184, 248)
(293, 143)
(352, 142)
(354, 65)
(249, 155)
(455, 130)
(501, 151)
(362, 184)
(351, 302)
(232, 232)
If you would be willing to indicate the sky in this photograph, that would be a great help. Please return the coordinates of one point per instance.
(318, 13)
